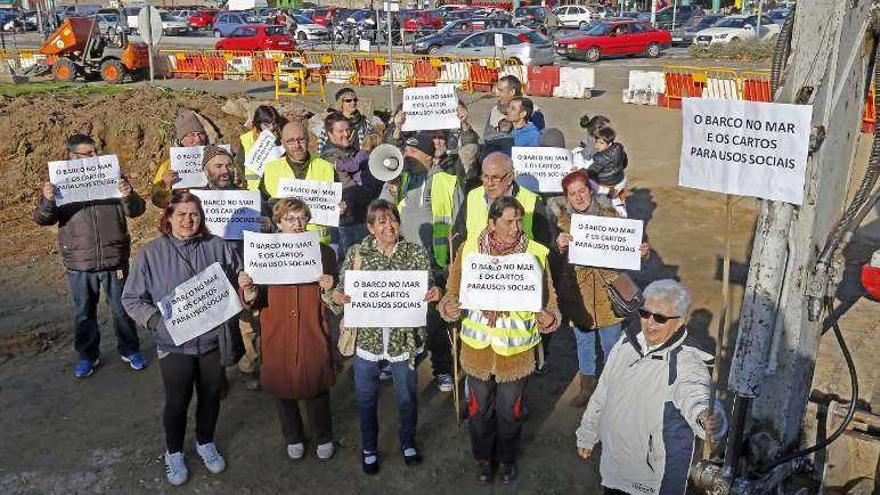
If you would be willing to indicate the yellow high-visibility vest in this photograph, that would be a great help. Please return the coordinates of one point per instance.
(478, 211)
(253, 179)
(317, 169)
(443, 186)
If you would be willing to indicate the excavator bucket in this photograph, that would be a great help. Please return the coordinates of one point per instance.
(70, 37)
(135, 56)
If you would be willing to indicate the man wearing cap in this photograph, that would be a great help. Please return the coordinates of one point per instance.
(347, 105)
(428, 198)
(188, 131)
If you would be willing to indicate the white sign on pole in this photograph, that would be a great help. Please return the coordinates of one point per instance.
(323, 198)
(364, 45)
(187, 162)
(745, 148)
(541, 169)
(264, 150)
(393, 298)
(241, 4)
(199, 305)
(272, 259)
(606, 242)
(88, 179)
(430, 108)
(231, 212)
(502, 283)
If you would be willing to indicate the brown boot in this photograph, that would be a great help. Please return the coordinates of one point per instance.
(587, 387)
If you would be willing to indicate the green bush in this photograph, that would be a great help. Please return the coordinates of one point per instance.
(752, 49)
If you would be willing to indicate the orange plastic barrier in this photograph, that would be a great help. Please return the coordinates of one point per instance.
(369, 72)
(542, 80)
(425, 73)
(869, 121)
(678, 86)
(756, 86)
(483, 78)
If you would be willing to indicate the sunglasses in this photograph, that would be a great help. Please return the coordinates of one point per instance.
(350, 100)
(661, 319)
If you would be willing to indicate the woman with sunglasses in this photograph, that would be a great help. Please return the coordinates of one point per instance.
(265, 118)
(347, 105)
(652, 401)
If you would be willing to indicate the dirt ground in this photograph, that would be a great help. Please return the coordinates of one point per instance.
(104, 434)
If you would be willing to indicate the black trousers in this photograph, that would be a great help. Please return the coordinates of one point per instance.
(318, 411)
(438, 344)
(495, 418)
(180, 372)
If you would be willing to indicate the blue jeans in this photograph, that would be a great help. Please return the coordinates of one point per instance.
(85, 287)
(366, 387)
(586, 346)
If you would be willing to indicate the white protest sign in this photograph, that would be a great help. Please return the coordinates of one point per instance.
(264, 150)
(187, 162)
(606, 242)
(392, 298)
(272, 259)
(745, 148)
(430, 108)
(199, 305)
(88, 179)
(502, 283)
(541, 169)
(229, 213)
(323, 198)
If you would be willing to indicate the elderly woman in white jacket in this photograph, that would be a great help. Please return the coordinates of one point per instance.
(651, 402)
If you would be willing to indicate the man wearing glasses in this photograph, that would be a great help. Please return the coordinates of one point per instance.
(95, 246)
(651, 401)
(347, 105)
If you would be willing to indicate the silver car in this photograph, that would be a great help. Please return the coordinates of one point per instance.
(525, 45)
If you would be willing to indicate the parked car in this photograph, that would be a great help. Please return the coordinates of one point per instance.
(257, 37)
(131, 17)
(202, 19)
(678, 15)
(308, 30)
(226, 22)
(422, 21)
(359, 15)
(534, 13)
(111, 22)
(576, 16)
(173, 25)
(336, 13)
(452, 7)
(603, 12)
(527, 46)
(736, 28)
(460, 14)
(685, 34)
(779, 15)
(620, 37)
(451, 34)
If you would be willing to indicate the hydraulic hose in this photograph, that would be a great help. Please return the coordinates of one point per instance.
(780, 53)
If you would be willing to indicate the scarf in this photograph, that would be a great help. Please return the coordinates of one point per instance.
(492, 246)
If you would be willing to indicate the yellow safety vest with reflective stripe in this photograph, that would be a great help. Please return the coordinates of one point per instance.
(318, 169)
(478, 211)
(443, 186)
(247, 142)
(513, 333)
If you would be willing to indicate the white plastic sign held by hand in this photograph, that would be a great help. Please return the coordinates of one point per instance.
(229, 213)
(323, 198)
(606, 242)
(392, 298)
(199, 305)
(431, 108)
(541, 169)
(502, 283)
(88, 179)
(273, 259)
(187, 162)
(263, 151)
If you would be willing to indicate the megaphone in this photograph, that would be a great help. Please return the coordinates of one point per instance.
(386, 162)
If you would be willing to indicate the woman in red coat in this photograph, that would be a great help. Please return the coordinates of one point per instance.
(295, 342)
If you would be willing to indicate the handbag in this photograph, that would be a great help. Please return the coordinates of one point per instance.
(625, 296)
(348, 336)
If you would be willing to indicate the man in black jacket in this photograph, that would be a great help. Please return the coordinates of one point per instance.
(95, 246)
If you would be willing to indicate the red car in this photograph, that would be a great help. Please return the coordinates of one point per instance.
(203, 19)
(422, 20)
(257, 37)
(320, 16)
(624, 37)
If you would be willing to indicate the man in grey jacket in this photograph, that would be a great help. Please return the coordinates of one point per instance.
(95, 246)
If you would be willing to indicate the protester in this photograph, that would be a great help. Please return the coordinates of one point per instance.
(498, 351)
(519, 113)
(265, 118)
(465, 134)
(652, 398)
(607, 170)
(347, 105)
(468, 156)
(188, 131)
(184, 249)
(95, 245)
(506, 89)
(551, 21)
(297, 163)
(428, 198)
(297, 356)
(497, 178)
(394, 133)
(385, 249)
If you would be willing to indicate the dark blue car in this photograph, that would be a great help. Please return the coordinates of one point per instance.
(451, 34)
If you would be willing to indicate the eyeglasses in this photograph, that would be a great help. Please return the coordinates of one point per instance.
(301, 140)
(494, 178)
(661, 319)
(291, 219)
(350, 100)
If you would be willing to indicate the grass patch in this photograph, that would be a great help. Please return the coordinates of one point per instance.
(58, 87)
(751, 50)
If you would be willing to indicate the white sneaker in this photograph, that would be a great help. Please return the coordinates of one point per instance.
(325, 450)
(214, 462)
(175, 469)
(296, 451)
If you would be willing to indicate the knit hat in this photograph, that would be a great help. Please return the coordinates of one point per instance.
(552, 138)
(211, 152)
(423, 142)
(185, 123)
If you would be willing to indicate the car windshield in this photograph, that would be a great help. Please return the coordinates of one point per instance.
(598, 30)
(167, 17)
(110, 18)
(526, 10)
(731, 22)
(274, 30)
(707, 22)
(250, 19)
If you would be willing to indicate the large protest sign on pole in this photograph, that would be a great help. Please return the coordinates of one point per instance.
(273, 259)
(187, 162)
(392, 298)
(200, 304)
(502, 283)
(541, 169)
(229, 213)
(263, 151)
(323, 198)
(606, 242)
(745, 148)
(430, 108)
(88, 179)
